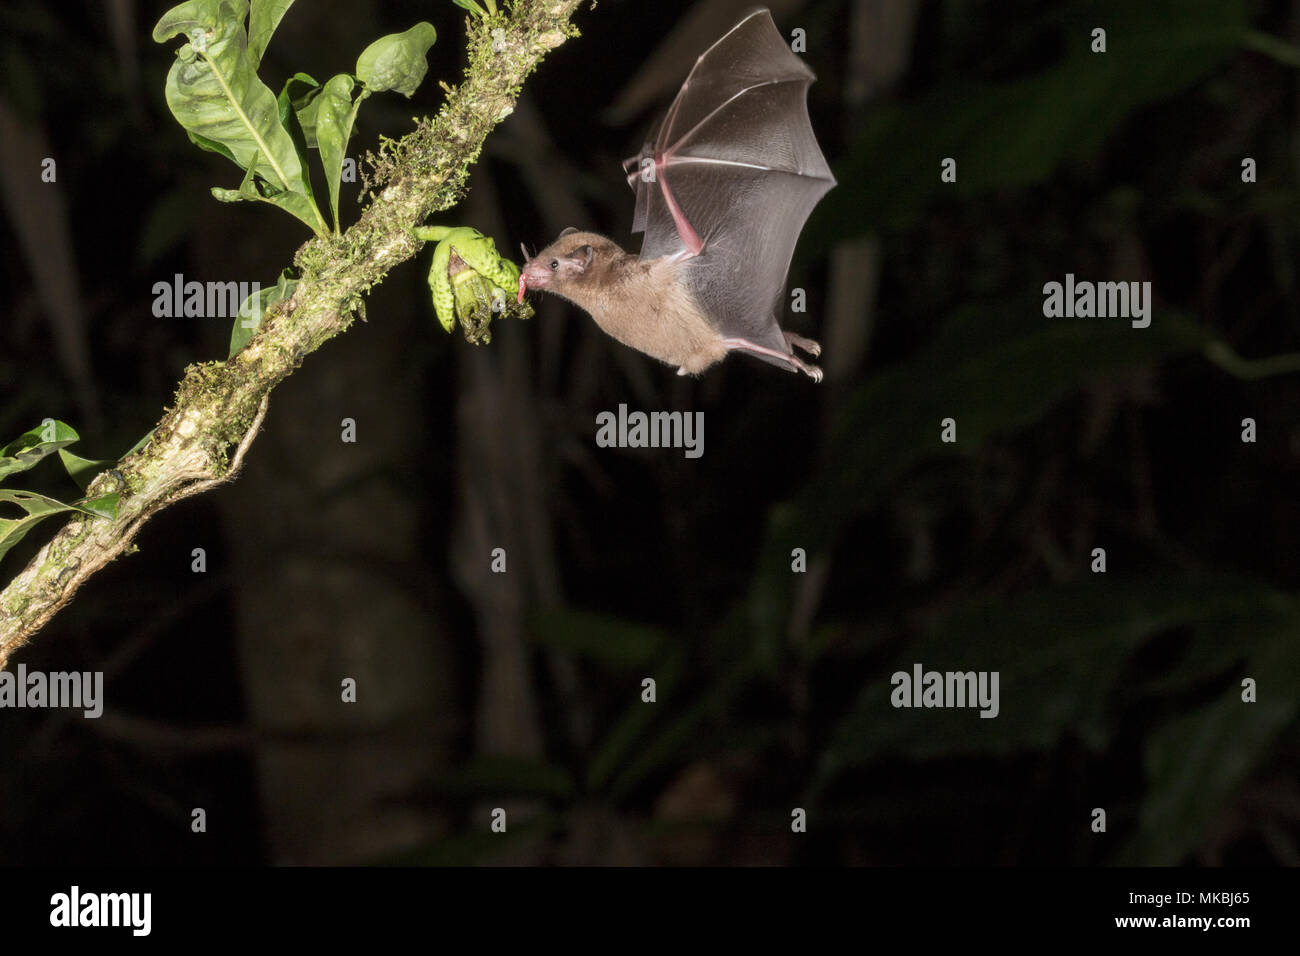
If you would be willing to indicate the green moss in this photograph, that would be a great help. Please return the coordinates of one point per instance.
(407, 180)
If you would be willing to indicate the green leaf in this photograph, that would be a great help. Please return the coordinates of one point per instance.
(264, 17)
(254, 307)
(676, 740)
(140, 444)
(299, 90)
(623, 740)
(491, 776)
(101, 506)
(471, 6)
(247, 191)
(398, 61)
(306, 106)
(332, 115)
(598, 637)
(296, 204)
(1196, 763)
(295, 89)
(214, 92)
(82, 470)
(1061, 653)
(255, 190)
(40, 507)
(212, 146)
(1005, 367)
(198, 15)
(1017, 133)
(31, 446)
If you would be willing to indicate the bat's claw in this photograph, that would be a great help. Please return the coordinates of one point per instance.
(796, 363)
(812, 371)
(789, 360)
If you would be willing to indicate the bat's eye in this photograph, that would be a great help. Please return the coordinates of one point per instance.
(555, 264)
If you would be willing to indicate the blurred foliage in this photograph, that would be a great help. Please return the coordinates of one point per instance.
(1017, 133)
(1124, 688)
(1120, 690)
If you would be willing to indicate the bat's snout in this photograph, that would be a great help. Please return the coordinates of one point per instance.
(533, 276)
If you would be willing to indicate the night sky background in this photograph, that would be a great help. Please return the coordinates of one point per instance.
(327, 560)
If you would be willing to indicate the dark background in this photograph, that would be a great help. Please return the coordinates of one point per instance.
(521, 690)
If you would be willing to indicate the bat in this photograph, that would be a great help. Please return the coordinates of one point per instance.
(723, 189)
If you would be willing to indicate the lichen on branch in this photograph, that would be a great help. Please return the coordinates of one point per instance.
(219, 406)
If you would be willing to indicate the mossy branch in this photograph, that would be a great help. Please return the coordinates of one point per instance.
(219, 406)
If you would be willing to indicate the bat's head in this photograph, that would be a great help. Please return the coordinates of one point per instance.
(565, 265)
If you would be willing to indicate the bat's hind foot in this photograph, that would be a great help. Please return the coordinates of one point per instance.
(790, 361)
(798, 341)
(812, 371)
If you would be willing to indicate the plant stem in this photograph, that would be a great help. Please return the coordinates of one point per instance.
(219, 405)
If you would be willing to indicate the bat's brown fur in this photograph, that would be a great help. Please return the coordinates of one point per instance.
(641, 304)
(723, 190)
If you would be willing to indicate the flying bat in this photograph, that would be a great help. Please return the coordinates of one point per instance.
(723, 190)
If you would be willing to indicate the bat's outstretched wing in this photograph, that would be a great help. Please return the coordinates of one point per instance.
(731, 176)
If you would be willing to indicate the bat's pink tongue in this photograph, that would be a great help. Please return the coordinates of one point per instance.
(523, 282)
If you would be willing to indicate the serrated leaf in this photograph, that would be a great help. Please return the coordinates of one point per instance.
(398, 61)
(30, 447)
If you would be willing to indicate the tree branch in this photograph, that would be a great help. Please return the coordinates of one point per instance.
(222, 404)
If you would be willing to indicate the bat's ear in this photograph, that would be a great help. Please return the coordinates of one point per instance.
(568, 232)
(574, 263)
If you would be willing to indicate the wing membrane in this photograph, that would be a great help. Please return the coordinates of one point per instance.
(737, 156)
